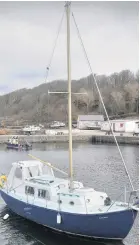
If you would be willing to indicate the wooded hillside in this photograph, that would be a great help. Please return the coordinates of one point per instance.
(119, 91)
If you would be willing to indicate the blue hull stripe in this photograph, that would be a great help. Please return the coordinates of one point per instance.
(115, 225)
(15, 146)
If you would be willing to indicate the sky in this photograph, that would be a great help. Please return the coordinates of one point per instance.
(28, 31)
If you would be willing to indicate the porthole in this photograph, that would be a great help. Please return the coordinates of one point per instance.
(107, 201)
(71, 203)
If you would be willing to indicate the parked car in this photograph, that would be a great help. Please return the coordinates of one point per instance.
(31, 129)
(57, 124)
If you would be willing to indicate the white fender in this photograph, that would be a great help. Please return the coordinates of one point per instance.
(58, 218)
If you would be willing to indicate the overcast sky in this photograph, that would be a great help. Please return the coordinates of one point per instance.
(28, 31)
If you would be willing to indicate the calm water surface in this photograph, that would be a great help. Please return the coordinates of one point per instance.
(97, 166)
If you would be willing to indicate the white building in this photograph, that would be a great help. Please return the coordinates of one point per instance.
(128, 126)
(90, 121)
(132, 126)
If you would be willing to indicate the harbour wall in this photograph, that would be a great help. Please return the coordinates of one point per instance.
(76, 138)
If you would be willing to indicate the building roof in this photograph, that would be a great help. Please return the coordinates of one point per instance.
(91, 118)
(124, 120)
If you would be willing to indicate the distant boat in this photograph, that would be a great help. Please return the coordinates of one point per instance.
(13, 143)
(63, 204)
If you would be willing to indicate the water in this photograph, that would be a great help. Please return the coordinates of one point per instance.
(97, 166)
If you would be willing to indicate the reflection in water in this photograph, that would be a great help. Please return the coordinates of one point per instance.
(21, 231)
(55, 146)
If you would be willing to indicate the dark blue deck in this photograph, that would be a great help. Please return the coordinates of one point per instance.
(115, 225)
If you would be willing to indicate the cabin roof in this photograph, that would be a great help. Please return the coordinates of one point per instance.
(47, 179)
(28, 163)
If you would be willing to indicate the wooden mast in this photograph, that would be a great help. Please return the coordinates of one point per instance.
(69, 92)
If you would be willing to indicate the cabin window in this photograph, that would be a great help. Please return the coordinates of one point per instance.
(71, 203)
(18, 173)
(29, 190)
(30, 172)
(42, 193)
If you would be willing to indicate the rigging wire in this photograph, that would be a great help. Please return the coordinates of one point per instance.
(55, 42)
(52, 54)
(96, 84)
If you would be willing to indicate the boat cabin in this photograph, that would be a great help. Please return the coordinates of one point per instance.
(29, 182)
(14, 140)
(25, 170)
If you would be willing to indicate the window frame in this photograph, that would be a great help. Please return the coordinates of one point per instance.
(40, 191)
(27, 192)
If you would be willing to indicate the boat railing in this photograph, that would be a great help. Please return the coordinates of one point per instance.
(14, 188)
(134, 195)
(131, 194)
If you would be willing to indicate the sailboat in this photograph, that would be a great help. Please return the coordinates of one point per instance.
(63, 204)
